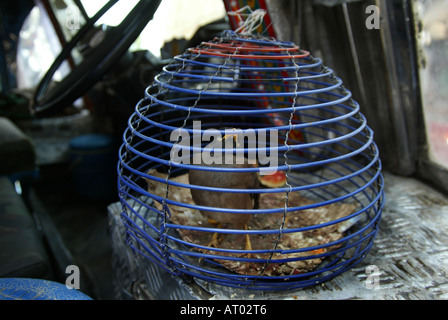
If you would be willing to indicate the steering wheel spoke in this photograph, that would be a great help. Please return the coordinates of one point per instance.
(51, 96)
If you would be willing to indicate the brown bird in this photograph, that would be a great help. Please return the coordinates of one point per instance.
(230, 200)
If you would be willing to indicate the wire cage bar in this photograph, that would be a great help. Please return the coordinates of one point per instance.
(318, 222)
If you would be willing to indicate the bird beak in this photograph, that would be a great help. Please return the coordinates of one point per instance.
(232, 135)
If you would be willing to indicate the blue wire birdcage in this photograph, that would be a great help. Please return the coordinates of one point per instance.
(317, 221)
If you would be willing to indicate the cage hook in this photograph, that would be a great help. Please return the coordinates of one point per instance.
(253, 19)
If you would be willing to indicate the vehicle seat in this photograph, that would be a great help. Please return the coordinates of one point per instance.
(22, 248)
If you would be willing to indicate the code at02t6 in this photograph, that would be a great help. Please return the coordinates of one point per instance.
(244, 309)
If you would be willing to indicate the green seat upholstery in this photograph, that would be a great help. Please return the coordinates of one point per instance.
(22, 248)
(17, 152)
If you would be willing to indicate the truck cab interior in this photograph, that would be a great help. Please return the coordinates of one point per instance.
(72, 72)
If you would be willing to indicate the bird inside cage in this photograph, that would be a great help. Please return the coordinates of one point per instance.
(225, 180)
(219, 177)
(205, 210)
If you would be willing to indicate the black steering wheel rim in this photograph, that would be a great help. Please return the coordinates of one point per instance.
(82, 77)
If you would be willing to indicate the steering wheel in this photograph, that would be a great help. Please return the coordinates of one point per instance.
(116, 41)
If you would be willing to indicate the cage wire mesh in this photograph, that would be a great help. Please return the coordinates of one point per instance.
(318, 217)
